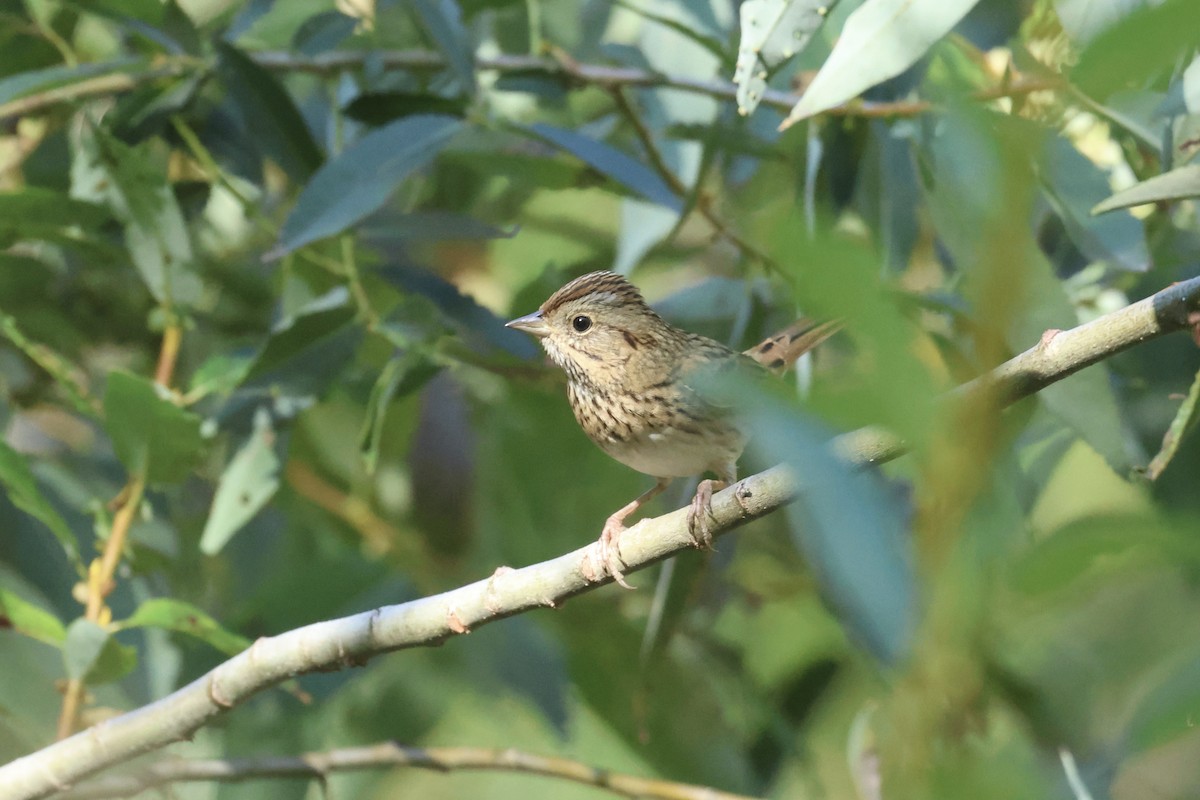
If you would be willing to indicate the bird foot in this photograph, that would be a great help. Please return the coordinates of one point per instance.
(608, 549)
(700, 512)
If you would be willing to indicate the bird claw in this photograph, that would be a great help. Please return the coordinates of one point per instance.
(700, 512)
(608, 550)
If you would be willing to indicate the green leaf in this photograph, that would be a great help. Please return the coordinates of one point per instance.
(772, 32)
(362, 177)
(26, 213)
(25, 83)
(322, 32)
(307, 350)
(268, 113)
(611, 162)
(403, 374)
(135, 188)
(247, 484)
(1178, 184)
(23, 492)
(443, 20)
(709, 43)
(848, 525)
(176, 615)
(380, 108)
(1073, 184)
(30, 620)
(82, 647)
(1183, 424)
(151, 435)
(1150, 40)
(881, 39)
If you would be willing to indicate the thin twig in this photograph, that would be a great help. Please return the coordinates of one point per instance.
(676, 185)
(350, 641)
(391, 754)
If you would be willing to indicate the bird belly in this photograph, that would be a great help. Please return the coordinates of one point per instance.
(675, 453)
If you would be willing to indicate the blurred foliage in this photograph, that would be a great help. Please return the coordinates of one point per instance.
(255, 258)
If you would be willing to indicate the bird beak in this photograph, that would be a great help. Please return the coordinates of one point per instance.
(533, 324)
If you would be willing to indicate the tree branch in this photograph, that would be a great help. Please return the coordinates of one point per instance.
(390, 754)
(351, 641)
(601, 75)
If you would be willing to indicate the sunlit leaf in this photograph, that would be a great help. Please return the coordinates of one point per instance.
(247, 484)
(772, 32)
(176, 615)
(881, 39)
(153, 437)
(30, 620)
(1181, 426)
(1151, 39)
(1178, 184)
(136, 190)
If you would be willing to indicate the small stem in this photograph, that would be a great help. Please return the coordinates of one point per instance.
(100, 583)
(703, 202)
(168, 354)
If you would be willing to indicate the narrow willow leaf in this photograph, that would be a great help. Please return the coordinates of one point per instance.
(175, 615)
(247, 484)
(1181, 426)
(772, 32)
(1177, 184)
(23, 492)
(881, 39)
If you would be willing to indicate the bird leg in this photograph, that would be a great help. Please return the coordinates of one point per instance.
(700, 511)
(609, 546)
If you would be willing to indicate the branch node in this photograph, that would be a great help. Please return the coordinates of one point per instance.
(1048, 337)
(491, 600)
(455, 622)
(214, 693)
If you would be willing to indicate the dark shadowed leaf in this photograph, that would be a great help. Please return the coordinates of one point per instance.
(247, 484)
(1177, 184)
(772, 32)
(22, 490)
(176, 615)
(268, 113)
(362, 177)
(380, 108)
(152, 436)
(881, 39)
(609, 161)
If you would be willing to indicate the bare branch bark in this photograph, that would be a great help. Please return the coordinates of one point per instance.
(390, 754)
(351, 641)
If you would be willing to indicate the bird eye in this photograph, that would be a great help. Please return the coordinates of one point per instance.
(581, 323)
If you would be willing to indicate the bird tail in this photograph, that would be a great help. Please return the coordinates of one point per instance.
(780, 351)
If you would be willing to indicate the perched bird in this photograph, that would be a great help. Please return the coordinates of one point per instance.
(634, 383)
